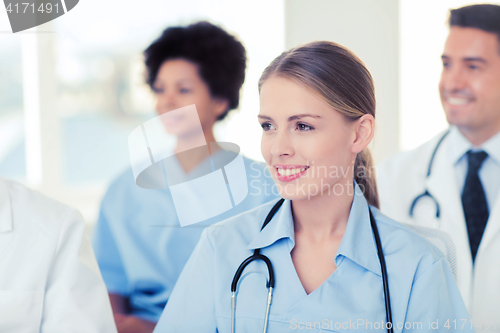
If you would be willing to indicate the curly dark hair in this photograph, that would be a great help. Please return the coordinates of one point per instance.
(220, 57)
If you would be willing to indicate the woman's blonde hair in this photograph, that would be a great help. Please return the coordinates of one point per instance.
(341, 79)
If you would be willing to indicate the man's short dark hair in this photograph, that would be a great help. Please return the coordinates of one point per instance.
(220, 57)
(484, 17)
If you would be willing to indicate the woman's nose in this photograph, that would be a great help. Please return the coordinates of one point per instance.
(282, 145)
(165, 102)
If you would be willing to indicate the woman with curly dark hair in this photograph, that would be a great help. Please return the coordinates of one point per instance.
(200, 65)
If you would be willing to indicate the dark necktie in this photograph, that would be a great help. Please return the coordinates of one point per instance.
(474, 201)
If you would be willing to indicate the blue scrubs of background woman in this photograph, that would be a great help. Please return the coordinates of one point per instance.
(317, 110)
(139, 244)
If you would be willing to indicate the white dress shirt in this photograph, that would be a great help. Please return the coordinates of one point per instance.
(489, 173)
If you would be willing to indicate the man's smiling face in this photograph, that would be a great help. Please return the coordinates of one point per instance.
(470, 81)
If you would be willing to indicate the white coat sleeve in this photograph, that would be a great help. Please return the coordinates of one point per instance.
(75, 295)
(191, 307)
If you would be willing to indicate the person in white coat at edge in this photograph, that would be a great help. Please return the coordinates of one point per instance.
(457, 190)
(49, 278)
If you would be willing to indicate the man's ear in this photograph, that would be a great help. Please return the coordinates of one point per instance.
(364, 129)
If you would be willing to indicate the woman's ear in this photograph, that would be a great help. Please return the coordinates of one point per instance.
(364, 129)
(220, 106)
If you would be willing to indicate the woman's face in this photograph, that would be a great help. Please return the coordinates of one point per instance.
(308, 146)
(178, 84)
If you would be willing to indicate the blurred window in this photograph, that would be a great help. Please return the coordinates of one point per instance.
(102, 97)
(12, 148)
(94, 93)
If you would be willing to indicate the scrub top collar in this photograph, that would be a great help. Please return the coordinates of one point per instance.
(358, 243)
(460, 146)
(5, 207)
(174, 169)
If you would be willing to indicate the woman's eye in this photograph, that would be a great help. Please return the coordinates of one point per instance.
(267, 126)
(304, 127)
(157, 90)
(184, 90)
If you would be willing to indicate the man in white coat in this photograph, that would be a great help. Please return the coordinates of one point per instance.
(49, 278)
(458, 191)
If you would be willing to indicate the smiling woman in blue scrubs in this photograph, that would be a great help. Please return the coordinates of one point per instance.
(317, 110)
(139, 243)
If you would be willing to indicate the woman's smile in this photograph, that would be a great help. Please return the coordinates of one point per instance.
(286, 173)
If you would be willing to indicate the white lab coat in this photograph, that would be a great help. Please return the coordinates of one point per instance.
(403, 178)
(49, 278)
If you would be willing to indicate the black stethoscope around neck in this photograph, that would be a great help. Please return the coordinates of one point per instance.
(270, 284)
(426, 192)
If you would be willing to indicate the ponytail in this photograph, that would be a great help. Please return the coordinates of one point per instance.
(364, 175)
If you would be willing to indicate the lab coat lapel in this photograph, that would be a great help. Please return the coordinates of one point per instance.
(492, 227)
(442, 186)
(5, 208)
(485, 304)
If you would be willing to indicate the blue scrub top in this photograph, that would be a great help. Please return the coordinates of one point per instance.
(422, 288)
(139, 244)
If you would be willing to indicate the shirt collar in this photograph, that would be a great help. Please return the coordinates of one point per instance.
(358, 243)
(492, 147)
(5, 207)
(460, 146)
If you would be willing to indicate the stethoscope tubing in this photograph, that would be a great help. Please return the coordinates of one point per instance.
(426, 192)
(383, 267)
(256, 256)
